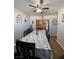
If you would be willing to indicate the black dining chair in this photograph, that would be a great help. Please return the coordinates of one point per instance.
(17, 51)
(27, 50)
(28, 31)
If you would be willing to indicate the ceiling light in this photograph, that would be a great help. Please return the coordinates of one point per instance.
(39, 10)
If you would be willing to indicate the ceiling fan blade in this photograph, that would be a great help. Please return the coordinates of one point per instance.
(32, 6)
(45, 8)
(41, 1)
(34, 11)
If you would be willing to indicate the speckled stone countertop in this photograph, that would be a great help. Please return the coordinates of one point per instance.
(43, 49)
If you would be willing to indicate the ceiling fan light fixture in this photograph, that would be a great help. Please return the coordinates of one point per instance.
(39, 10)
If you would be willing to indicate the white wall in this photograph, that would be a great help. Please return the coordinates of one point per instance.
(60, 28)
(20, 27)
(52, 27)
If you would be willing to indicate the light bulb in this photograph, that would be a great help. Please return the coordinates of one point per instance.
(39, 10)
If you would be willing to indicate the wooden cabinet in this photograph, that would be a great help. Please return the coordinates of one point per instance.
(40, 24)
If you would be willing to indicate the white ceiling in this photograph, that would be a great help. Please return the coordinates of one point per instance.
(53, 5)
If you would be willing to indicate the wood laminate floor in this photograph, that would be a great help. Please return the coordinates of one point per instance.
(57, 51)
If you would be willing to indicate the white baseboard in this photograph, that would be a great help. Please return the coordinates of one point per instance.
(60, 44)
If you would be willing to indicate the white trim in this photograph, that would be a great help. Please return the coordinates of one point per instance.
(60, 44)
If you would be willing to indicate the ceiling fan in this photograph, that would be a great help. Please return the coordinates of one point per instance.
(39, 7)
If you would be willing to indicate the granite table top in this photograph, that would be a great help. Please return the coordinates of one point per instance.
(42, 47)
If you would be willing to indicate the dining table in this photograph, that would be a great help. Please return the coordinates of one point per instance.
(42, 46)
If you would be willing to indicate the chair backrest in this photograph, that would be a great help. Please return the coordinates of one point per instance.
(27, 49)
(17, 48)
(26, 32)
